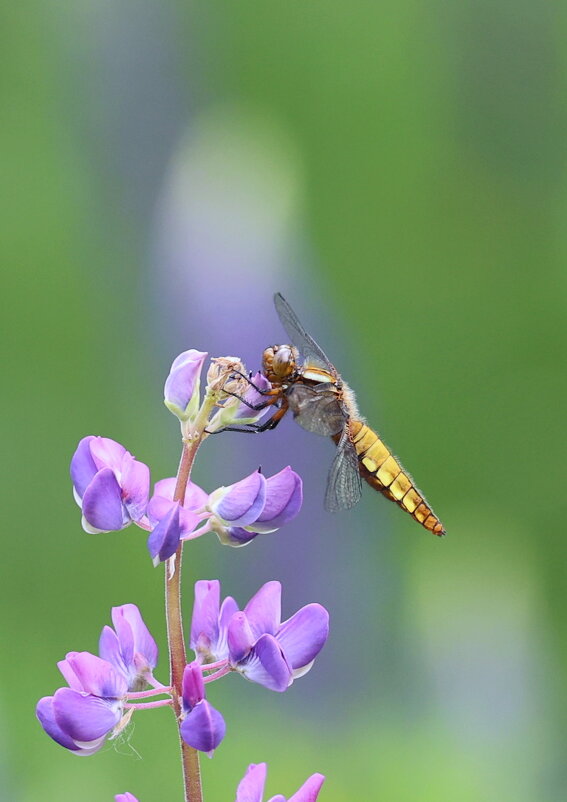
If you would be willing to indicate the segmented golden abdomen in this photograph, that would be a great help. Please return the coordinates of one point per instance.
(385, 473)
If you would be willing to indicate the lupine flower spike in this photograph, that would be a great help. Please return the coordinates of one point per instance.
(82, 716)
(112, 488)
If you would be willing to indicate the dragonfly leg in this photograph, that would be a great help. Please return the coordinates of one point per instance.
(250, 382)
(255, 428)
(272, 397)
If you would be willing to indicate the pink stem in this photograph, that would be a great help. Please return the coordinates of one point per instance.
(213, 666)
(217, 675)
(144, 694)
(148, 705)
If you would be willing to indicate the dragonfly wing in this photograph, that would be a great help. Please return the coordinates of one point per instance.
(316, 410)
(344, 485)
(312, 354)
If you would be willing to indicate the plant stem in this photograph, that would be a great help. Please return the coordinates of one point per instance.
(175, 638)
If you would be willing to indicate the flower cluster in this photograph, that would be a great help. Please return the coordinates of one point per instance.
(254, 641)
(103, 690)
(113, 490)
(81, 716)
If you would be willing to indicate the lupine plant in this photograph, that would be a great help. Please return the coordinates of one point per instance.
(113, 491)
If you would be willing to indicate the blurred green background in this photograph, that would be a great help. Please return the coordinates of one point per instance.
(398, 170)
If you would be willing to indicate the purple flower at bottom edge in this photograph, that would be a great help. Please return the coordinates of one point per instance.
(126, 797)
(110, 486)
(251, 787)
(81, 717)
(202, 727)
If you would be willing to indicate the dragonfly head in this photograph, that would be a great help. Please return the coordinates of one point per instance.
(279, 363)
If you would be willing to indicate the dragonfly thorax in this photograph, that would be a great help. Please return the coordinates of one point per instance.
(279, 363)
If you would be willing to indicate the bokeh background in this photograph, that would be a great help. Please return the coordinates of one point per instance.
(398, 170)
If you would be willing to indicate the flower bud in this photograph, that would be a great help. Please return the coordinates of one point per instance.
(181, 391)
(202, 727)
(193, 686)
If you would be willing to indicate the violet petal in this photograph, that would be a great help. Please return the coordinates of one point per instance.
(135, 482)
(284, 496)
(109, 650)
(193, 686)
(102, 502)
(45, 714)
(164, 538)
(66, 668)
(309, 791)
(237, 536)
(97, 676)
(304, 634)
(205, 619)
(82, 467)
(107, 453)
(267, 665)
(240, 638)
(251, 786)
(228, 608)
(84, 718)
(264, 609)
(143, 643)
(203, 728)
(243, 501)
(183, 376)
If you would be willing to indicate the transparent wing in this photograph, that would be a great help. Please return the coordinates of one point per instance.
(308, 348)
(344, 485)
(317, 409)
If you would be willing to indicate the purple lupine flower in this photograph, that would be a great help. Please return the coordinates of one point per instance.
(254, 641)
(255, 506)
(181, 391)
(251, 787)
(237, 513)
(109, 485)
(171, 520)
(81, 717)
(127, 797)
(202, 727)
(129, 647)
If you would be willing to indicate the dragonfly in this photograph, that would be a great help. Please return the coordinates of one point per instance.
(305, 381)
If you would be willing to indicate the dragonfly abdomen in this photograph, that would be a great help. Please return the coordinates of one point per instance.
(384, 472)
